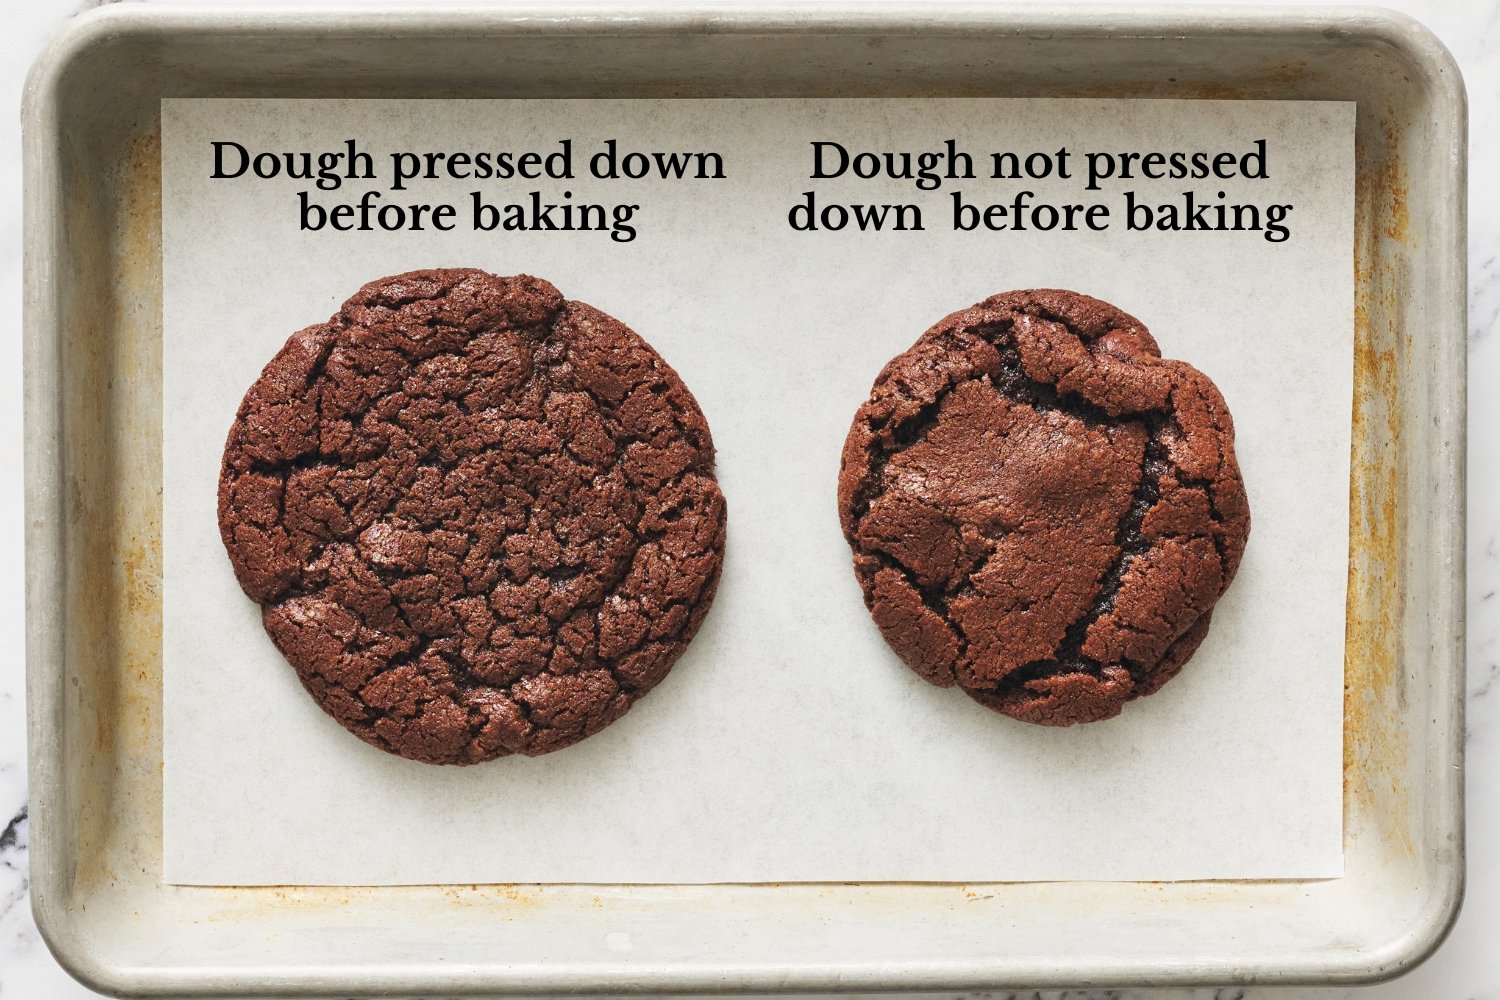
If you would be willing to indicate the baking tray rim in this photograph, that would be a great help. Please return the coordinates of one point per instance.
(44, 471)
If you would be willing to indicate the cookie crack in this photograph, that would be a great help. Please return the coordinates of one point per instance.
(1012, 380)
(934, 600)
(640, 536)
(1008, 378)
(1130, 545)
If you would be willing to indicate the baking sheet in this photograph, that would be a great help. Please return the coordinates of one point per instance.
(788, 744)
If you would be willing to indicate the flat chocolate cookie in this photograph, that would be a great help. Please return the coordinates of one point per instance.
(1043, 511)
(479, 519)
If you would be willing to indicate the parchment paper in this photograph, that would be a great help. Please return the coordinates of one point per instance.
(788, 743)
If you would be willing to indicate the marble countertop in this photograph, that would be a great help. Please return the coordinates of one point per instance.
(1467, 965)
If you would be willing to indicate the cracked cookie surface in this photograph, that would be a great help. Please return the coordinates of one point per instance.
(1043, 511)
(480, 519)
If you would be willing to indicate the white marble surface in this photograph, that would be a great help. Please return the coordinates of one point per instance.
(1468, 964)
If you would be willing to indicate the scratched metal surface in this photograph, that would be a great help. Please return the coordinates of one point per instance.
(94, 545)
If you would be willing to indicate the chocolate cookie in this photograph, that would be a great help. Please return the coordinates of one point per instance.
(1042, 510)
(479, 519)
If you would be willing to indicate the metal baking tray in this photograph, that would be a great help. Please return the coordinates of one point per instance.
(93, 469)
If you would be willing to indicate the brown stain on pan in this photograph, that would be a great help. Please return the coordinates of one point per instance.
(1375, 746)
(93, 687)
(113, 343)
(1397, 220)
(139, 530)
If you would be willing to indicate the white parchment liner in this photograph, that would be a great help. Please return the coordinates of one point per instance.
(788, 744)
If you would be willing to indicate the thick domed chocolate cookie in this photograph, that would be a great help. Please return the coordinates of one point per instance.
(480, 519)
(1042, 510)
